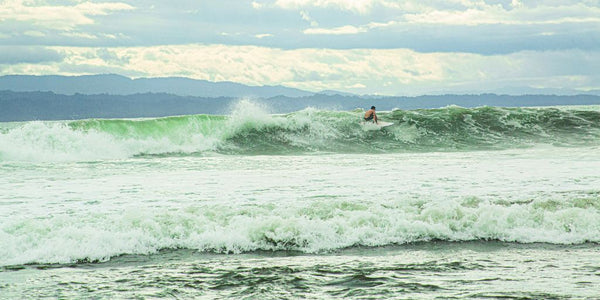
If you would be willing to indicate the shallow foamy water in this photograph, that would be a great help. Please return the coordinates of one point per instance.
(418, 225)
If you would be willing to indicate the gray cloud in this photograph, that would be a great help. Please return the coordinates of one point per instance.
(487, 27)
(433, 44)
(392, 71)
(28, 54)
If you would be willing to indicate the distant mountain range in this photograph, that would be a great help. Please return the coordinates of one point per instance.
(27, 106)
(24, 98)
(119, 85)
(112, 84)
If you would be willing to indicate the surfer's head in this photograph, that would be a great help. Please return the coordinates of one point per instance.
(372, 107)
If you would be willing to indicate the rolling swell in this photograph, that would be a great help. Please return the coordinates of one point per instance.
(251, 130)
(444, 129)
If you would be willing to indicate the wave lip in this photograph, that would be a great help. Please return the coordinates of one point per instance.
(310, 228)
(251, 130)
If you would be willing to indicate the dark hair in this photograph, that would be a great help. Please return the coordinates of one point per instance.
(372, 107)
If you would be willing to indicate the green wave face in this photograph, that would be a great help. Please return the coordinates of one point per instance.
(179, 129)
(250, 130)
(445, 129)
(497, 128)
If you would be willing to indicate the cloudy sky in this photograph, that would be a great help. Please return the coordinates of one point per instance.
(364, 46)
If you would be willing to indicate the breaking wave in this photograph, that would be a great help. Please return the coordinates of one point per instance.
(251, 130)
(307, 227)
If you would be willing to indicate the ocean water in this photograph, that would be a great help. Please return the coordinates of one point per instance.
(447, 203)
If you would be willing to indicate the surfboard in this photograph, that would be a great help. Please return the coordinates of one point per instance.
(375, 126)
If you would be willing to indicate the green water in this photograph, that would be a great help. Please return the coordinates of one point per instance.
(447, 203)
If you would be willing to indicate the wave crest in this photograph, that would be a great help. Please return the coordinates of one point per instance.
(251, 130)
(309, 227)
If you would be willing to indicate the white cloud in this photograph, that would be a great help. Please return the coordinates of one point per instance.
(81, 35)
(469, 17)
(357, 86)
(516, 3)
(257, 5)
(401, 14)
(461, 12)
(335, 31)
(383, 71)
(57, 17)
(495, 14)
(263, 35)
(366, 6)
(349, 29)
(230, 33)
(362, 7)
(359, 6)
(307, 18)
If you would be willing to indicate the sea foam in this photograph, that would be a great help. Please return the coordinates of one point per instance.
(250, 129)
(308, 227)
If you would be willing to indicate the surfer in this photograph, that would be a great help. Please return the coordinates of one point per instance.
(370, 115)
